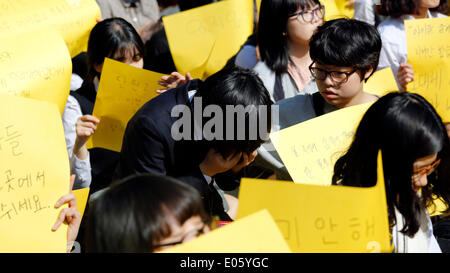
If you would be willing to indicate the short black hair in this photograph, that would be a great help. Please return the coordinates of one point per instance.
(397, 8)
(273, 18)
(347, 43)
(238, 87)
(134, 213)
(108, 37)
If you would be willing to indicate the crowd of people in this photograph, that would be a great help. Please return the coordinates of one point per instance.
(163, 189)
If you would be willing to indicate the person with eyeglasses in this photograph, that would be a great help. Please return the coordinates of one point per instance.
(145, 213)
(415, 149)
(284, 30)
(344, 54)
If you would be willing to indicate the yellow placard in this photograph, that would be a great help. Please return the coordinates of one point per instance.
(322, 218)
(34, 170)
(123, 89)
(191, 33)
(381, 82)
(310, 149)
(428, 42)
(335, 9)
(36, 65)
(73, 19)
(255, 233)
(82, 197)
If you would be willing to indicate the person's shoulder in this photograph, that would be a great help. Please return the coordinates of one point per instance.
(294, 102)
(390, 25)
(437, 15)
(261, 68)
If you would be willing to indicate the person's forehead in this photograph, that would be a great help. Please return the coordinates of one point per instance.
(425, 161)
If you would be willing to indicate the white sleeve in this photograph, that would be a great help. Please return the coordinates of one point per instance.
(72, 112)
(82, 171)
(364, 11)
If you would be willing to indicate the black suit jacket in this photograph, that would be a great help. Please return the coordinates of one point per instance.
(148, 146)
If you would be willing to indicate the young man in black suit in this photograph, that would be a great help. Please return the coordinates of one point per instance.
(174, 135)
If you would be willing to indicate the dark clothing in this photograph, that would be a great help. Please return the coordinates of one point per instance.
(157, 55)
(148, 146)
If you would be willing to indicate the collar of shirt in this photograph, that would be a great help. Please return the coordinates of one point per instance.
(96, 83)
(191, 94)
(410, 17)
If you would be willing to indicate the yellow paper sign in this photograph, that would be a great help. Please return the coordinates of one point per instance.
(310, 158)
(34, 170)
(123, 89)
(322, 218)
(381, 82)
(191, 33)
(73, 19)
(335, 9)
(82, 197)
(428, 42)
(36, 65)
(255, 233)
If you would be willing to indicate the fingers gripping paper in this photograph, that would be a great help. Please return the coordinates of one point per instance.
(34, 173)
(123, 89)
(73, 19)
(310, 149)
(42, 73)
(255, 233)
(322, 218)
(428, 43)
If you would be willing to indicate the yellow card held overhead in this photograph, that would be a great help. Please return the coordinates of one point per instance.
(123, 89)
(42, 73)
(335, 9)
(428, 42)
(34, 169)
(322, 218)
(381, 82)
(255, 233)
(310, 149)
(73, 19)
(192, 33)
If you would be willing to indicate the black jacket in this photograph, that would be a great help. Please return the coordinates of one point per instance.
(148, 146)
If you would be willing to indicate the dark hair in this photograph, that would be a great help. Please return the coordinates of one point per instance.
(347, 43)
(108, 37)
(397, 8)
(405, 127)
(242, 88)
(273, 18)
(134, 214)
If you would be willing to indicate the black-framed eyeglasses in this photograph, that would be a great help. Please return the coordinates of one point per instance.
(336, 76)
(309, 15)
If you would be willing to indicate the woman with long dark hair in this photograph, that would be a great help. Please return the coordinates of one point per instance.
(112, 38)
(284, 30)
(416, 163)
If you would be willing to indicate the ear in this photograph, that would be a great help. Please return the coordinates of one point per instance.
(368, 73)
(98, 68)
